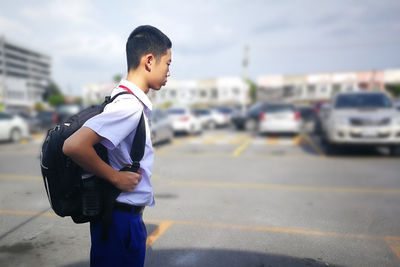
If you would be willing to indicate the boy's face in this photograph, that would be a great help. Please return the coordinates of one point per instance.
(160, 71)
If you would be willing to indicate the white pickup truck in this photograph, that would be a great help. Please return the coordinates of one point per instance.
(360, 118)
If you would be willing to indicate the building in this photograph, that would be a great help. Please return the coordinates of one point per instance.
(224, 91)
(314, 87)
(24, 76)
(96, 92)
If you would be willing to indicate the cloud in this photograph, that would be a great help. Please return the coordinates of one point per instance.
(8, 25)
(71, 11)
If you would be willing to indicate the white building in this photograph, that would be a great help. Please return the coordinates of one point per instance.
(315, 87)
(24, 76)
(96, 92)
(225, 91)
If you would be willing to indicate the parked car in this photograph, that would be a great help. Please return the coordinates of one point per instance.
(362, 118)
(160, 126)
(397, 103)
(13, 127)
(210, 118)
(30, 120)
(45, 120)
(317, 122)
(280, 118)
(308, 117)
(64, 111)
(184, 121)
(249, 119)
(227, 113)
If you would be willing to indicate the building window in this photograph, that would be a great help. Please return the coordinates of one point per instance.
(311, 90)
(203, 93)
(349, 88)
(336, 88)
(289, 90)
(214, 93)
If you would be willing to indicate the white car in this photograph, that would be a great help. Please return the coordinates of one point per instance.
(360, 118)
(280, 118)
(160, 126)
(211, 118)
(12, 127)
(184, 121)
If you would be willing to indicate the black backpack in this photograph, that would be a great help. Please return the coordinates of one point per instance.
(69, 195)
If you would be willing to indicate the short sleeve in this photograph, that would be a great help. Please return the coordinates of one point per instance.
(119, 119)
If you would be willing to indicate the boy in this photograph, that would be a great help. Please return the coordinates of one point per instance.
(148, 53)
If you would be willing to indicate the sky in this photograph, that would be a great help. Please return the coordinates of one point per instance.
(86, 38)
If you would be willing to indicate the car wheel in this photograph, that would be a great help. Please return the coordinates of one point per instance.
(393, 150)
(212, 125)
(15, 135)
(153, 138)
(192, 130)
(329, 147)
(250, 125)
(170, 136)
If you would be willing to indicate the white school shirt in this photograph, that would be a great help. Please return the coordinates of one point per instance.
(117, 125)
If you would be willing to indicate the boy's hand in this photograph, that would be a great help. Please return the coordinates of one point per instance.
(127, 181)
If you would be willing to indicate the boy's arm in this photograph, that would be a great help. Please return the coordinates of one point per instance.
(79, 147)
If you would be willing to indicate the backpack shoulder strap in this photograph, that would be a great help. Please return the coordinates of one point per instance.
(137, 152)
(110, 99)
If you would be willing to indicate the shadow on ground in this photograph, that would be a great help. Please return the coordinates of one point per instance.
(220, 258)
(361, 151)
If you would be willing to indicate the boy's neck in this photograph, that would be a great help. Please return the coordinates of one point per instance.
(138, 80)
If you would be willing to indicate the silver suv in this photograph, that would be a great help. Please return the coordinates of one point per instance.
(360, 118)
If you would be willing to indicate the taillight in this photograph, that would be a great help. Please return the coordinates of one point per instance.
(297, 115)
(55, 117)
(185, 118)
(262, 116)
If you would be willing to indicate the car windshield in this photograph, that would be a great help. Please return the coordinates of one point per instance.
(68, 109)
(225, 110)
(279, 108)
(256, 108)
(363, 101)
(201, 112)
(176, 111)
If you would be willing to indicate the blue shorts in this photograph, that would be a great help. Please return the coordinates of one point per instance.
(125, 244)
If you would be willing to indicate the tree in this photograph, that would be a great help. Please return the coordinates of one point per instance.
(253, 90)
(394, 89)
(51, 89)
(117, 78)
(55, 100)
(39, 106)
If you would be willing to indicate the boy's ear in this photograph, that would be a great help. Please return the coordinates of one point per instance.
(148, 61)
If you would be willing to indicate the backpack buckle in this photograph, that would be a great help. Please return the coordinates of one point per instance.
(132, 168)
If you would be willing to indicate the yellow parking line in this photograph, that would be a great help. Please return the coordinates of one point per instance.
(175, 143)
(392, 241)
(272, 140)
(6, 176)
(242, 147)
(297, 140)
(236, 140)
(394, 244)
(157, 233)
(278, 230)
(288, 187)
(212, 140)
(308, 139)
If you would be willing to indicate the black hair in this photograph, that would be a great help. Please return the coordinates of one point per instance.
(143, 40)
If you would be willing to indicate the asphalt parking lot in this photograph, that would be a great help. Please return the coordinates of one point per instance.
(226, 198)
